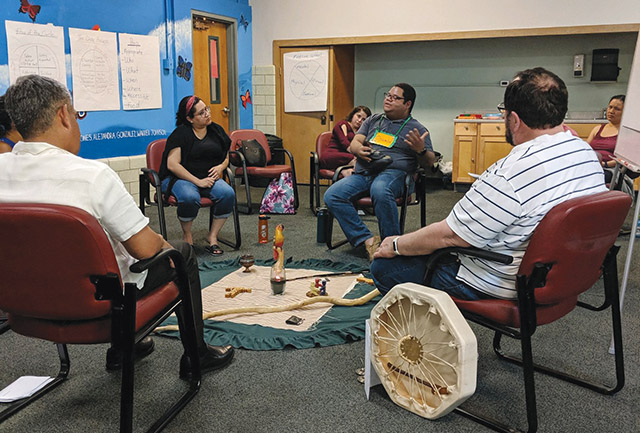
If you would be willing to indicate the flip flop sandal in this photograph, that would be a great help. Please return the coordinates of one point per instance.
(214, 250)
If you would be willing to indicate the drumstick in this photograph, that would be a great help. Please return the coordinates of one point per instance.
(337, 274)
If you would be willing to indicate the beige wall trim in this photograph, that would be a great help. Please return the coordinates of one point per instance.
(322, 43)
(479, 34)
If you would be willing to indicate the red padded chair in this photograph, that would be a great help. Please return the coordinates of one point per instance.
(149, 177)
(76, 296)
(268, 171)
(318, 173)
(419, 198)
(572, 247)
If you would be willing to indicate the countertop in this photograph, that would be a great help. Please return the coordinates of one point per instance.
(569, 121)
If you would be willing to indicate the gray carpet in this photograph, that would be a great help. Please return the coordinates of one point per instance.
(315, 390)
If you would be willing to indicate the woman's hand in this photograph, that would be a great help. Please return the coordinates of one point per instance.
(216, 171)
(207, 182)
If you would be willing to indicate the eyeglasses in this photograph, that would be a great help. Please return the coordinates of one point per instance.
(203, 113)
(501, 108)
(393, 97)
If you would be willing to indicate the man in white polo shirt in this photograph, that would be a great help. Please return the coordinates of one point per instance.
(44, 168)
(504, 206)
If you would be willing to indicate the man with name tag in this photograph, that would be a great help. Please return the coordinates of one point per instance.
(546, 166)
(387, 147)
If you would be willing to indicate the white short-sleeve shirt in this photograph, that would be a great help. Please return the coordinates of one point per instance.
(504, 206)
(43, 173)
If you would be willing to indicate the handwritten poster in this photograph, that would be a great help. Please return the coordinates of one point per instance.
(35, 49)
(306, 74)
(140, 70)
(94, 67)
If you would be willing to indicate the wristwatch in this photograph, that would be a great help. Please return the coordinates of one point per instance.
(423, 151)
(395, 246)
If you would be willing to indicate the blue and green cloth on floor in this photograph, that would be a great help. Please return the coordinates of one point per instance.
(338, 326)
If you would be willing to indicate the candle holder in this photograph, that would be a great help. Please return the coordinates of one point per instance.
(247, 261)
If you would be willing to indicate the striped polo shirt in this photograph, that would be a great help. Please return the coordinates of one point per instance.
(504, 206)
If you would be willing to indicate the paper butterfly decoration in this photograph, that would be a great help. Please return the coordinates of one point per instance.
(243, 22)
(28, 8)
(184, 69)
(246, 99)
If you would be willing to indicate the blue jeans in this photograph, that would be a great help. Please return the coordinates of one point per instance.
(188, 196)
(405, 269)
(383, 189)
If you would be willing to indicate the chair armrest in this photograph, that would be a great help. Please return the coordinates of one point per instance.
(152, 176)
(338, 172)
(476, 252)
(229, 177)
(237, 158)
(436, 256)
(164, 254)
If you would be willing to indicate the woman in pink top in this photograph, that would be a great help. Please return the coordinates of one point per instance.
(603, 138)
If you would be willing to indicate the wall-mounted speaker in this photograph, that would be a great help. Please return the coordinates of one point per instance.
(604, 64)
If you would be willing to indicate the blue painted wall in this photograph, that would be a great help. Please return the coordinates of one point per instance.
(122, 133)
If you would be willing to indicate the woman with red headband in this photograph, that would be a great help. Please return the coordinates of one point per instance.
(193, 163)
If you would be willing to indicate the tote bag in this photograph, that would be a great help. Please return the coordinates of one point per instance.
(279, 198)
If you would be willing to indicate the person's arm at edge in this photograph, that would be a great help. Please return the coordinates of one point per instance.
(4, 147)
(144, 244)
(421, 242)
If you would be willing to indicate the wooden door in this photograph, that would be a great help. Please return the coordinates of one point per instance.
(210, 67)
(300, 130)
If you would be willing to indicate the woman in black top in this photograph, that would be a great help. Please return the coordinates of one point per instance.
(193, 163)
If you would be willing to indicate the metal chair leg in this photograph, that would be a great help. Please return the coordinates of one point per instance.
(65, 366)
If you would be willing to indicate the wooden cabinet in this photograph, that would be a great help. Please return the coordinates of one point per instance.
(492, 145)
(476, 146)
(583, 129)
(465, 147)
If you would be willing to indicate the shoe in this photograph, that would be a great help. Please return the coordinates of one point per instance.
(214, 250)
(143, 348)
(214, 358)
(373, 247)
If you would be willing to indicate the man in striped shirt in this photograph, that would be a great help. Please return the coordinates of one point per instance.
(504, 206)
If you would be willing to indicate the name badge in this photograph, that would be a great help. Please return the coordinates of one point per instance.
(383, 139)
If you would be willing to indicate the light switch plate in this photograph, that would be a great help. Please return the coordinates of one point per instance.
(578, 65)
